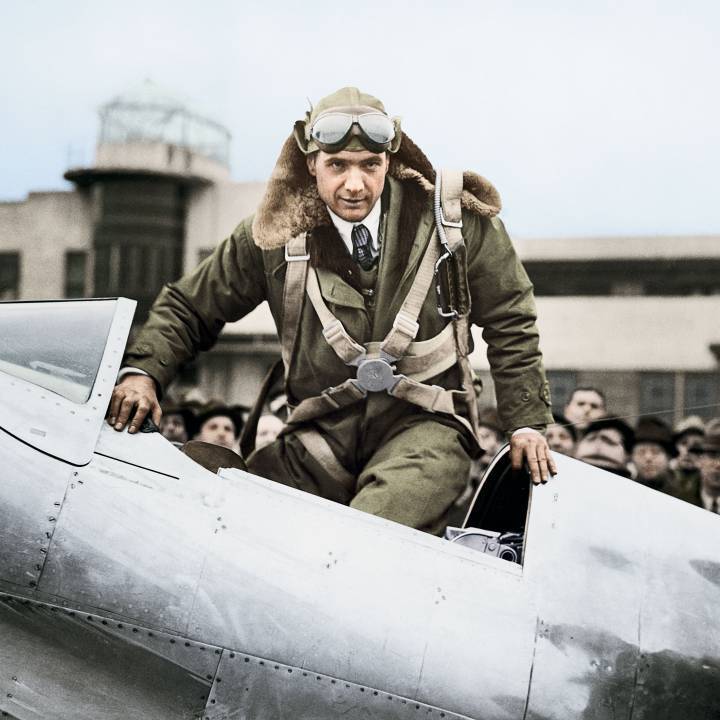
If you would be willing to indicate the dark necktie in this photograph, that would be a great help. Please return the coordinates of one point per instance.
(362, 247)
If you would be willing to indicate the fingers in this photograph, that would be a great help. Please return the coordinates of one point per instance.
(517, 450)
(141, 410)
(156, 414)
(534, 450)
(115, 402)
(125, 410)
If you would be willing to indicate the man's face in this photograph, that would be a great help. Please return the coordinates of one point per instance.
(218, 430)
(172, 427)
(651, 461)
(584, 406)
(490, 442)
(602, 447)
(686, 446)
(349, 182)
(560, 440)
(709, 465)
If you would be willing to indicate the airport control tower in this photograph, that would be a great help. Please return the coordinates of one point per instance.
(153, 153)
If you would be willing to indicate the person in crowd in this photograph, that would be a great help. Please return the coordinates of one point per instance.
(585, 405)
(607, 444)
(177, 423)
(707, 492)
(219, 425)
(268, 428)
(651, 454)
(688, 436)
(561, 435)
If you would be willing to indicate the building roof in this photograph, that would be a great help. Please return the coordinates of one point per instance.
(621, 248)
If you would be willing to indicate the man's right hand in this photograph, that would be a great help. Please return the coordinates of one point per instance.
(133, 397)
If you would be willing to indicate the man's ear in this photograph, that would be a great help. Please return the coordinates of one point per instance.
(311, 160)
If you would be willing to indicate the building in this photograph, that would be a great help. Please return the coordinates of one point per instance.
(637, 317)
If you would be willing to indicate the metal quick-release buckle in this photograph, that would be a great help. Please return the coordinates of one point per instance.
(376, 375)
(295, 258)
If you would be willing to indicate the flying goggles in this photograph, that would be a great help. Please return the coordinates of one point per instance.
(333, 130)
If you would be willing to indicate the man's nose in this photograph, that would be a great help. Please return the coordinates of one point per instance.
(353, 181)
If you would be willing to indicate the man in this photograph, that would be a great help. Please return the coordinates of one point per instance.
(561, 435)
(219, 425)
(688, 436)
(651, 454)
(585, 405)
(707, 493)
(337, 248)
(607, 444)
(177, 424)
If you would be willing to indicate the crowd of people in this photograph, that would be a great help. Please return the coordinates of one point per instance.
(682, 461)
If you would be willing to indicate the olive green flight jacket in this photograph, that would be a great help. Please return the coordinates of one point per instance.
(188, 316)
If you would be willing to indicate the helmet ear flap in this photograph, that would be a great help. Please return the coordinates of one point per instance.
(299, 130)
(395, 144)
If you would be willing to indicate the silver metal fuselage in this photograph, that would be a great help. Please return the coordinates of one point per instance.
(133, 583)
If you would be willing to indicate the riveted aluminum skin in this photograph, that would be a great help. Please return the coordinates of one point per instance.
(59, 664)
(613, 613)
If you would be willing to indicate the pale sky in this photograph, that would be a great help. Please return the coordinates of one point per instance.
(591, 118)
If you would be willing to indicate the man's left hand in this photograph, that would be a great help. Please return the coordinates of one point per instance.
(532, 447)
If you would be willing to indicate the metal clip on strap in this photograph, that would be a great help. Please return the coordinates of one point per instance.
(295, 258)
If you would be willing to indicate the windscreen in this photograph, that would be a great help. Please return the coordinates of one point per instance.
(55, 345)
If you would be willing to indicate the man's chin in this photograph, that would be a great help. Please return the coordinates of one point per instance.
(351, 212)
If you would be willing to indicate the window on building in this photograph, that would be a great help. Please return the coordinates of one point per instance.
(9, 275)
(702, 395)
(657, 395)
(75, 265)
(562, 383)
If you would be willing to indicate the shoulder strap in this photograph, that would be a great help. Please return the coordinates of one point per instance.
(449, 213)
(297, 257)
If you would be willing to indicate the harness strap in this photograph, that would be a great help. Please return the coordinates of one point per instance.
(424, 359)
(333, 330)
(296, 256)
(319, 448)
(451, 188)
(405, 326)
(329, 400)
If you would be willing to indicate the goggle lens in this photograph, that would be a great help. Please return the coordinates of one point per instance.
(333, 128)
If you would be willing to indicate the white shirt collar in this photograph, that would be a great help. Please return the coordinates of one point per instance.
(371, 222)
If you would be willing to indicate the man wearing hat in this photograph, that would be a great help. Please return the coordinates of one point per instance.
(653, 449)
(607, 444)
(219, 425)
(347, 247)
(707, 493)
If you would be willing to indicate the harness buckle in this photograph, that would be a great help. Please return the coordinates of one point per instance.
(406, 324)
(376, 375)
(295, 258)
(443, 286)
(449, 223)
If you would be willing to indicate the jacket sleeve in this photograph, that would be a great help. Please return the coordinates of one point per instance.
(189, 314)
(504, 306)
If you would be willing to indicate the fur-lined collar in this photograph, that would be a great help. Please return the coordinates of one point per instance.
(291, 203)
